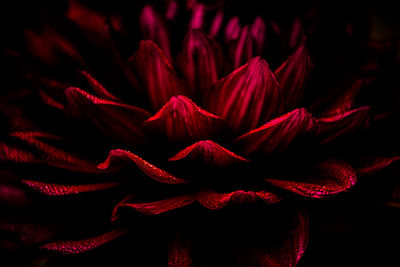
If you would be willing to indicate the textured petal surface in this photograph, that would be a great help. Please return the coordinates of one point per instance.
(157, 75)
(119, 122)
(179, 252)
(214, 200)
(99, 89)
(198, 62)
(149, 169)
(331, 177)
(276, 134)
(183, 121)
(373, 165)
(293, 75)
(333, 127)
(209, 153)
(80, 246)
(247, 96)
(52, 189)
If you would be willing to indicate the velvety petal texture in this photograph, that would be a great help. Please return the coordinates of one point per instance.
(209, 153)
(246, 97)
(331, 177)
(277, 134)
(182, 121)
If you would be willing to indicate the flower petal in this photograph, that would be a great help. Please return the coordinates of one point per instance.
(41, 152)
(209, 153)
(216, 24)
(276, 134)
(373, 165)
(51, 189)
(198, 12)
(179, 252)
(183, 121)
(198, 62)
(149, 169)
(214, 200)
(332, 177)
(153, 28)
(99, 88)
(293, 75)
(157, 75)
(335, 126)
(80, 246)
(161, 206)
(247, 96)
(118, 121)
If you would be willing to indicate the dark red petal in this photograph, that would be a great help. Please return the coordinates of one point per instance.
(181, 120)
(333, 127)
(99, 89)
(149, 169)
(293, 75)
(332, 177)
(12, 195)
(216, 24)
(276, 134)
(291, 249)
(157, 75)
(198, 62)
(80, 246)
(296, 33)
(118, 121)
(43, 153)
(209, 153)
(161, 206)
(344, 102)
(247, 96)
(232, 30)
(172, 10)
(153, 28)
(373, 165)
(258, 31)
(198, 12)
(51, 189)
(213, 200)
(179, 252)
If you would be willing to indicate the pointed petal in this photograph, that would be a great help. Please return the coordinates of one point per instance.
(157, 75)
(153, 28)
(209, 153)
(247, 96)
(373, 165)
(179, 252)
(258, 32)
(332, 177)
(344, 102)
(198, 12)
(243, 49)
(181, 120)
(149, 169)
(99, 88)
(118, 121)
(41, 152)
(293, 76)
(84, 245)
(51, 189)
(161, 206)
(276, 134)
(232, 30)
(213, 200)
(172, 10)
(198, 62)
(333, 127)
(216, 24)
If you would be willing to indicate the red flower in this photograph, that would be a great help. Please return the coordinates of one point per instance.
(211, 125)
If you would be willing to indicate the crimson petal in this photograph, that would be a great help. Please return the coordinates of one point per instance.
(247, 96)
(80, 246)
(293, 75)
(157, 75)
(181, 120)
(51, 189)
(153, 28)
(99, 89)
(179, 252)
(333, 177)
(160, 206)
(276, 134)
(118, 121)
(373, 165)
(214, 200)
(149, 169)
(210, 153)
(198, 62)
(335, 126)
